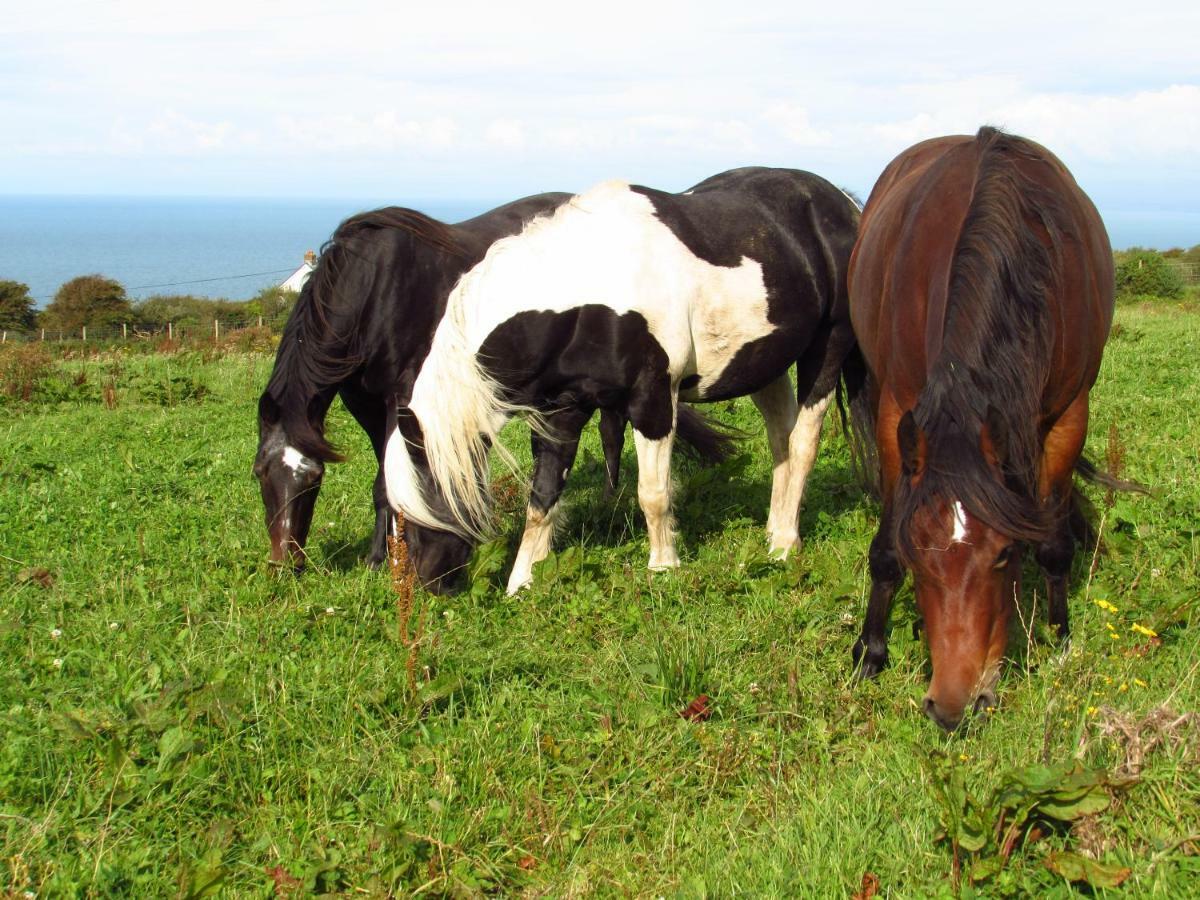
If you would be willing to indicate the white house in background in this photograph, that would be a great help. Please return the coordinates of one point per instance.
(296, 280)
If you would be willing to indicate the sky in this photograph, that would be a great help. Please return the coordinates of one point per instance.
(500, 99)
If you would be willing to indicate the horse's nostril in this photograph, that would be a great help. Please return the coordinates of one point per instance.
(945, 722)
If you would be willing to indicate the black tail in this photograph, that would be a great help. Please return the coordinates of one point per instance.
(855, 390)
(700, 438)
(1088, 471)
(1083, 512)
(703, 438)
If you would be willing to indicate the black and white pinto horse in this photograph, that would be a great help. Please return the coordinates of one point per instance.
(361, 328)
(627, 298)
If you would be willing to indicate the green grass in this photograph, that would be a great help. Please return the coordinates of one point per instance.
(178, 719)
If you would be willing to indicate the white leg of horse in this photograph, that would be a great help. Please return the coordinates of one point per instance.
(535, 545)
(802, 451)
(777, 404)
(654, 497)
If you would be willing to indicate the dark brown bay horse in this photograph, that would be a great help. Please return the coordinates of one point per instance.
(981, 293)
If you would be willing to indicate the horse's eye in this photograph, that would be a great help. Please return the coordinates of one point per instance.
(1002, 559)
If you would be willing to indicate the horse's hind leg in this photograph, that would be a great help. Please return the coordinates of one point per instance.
(1060, 450)
(816, 380)
(777, 405)
(553, 456)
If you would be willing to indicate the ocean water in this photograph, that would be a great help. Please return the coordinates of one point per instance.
(220, 247)
(234, 247)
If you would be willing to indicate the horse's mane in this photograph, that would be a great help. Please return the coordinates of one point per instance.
(460, 406)
(321, 345)
(995, 351)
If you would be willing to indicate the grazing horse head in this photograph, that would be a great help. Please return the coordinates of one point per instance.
(966, 572)
(440, 540)
(289, 472)
(981, 294)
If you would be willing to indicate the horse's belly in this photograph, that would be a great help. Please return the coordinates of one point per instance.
(730, 313)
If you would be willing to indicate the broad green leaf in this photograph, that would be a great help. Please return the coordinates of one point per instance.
(1074, 867)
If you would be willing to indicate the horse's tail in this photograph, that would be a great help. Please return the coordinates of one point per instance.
(1089, 472)
(855, 390)
(703, 438)
(1082, 511)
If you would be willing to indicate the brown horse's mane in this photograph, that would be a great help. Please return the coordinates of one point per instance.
(319, 348)
(996, 348)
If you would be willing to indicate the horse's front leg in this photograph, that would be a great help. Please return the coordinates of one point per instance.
(553, 456)
(383, 522)
(1060, 450)
(612, 441)
(870, 650)
(654, 492)
(372, 415)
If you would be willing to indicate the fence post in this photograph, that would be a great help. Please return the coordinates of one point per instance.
(124, 332)
(85, 333)
(4, 338)
(170, 332)
(43, 335)
(216, 329)
(260, 321)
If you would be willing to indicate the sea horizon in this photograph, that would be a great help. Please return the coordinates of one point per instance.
(232, 247)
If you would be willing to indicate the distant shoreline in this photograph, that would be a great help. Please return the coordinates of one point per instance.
(153, 243)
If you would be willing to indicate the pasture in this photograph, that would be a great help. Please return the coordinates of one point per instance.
(177, 718)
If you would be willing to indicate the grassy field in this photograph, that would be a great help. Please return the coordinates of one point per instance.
(177, 719)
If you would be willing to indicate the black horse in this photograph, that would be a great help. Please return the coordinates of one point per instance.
(629, 299)
(360, 329)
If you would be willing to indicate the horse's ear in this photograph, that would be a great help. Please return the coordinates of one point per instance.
(911, 440)
(993, 438)
(268, 409)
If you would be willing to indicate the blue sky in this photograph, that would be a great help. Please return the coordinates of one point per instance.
(496, 100)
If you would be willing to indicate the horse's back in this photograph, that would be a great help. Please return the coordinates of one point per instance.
(911, 244)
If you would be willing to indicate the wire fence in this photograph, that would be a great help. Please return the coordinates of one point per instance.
(191, 330)
(1188, 271)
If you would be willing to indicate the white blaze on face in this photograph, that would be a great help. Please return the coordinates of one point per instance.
(297, 461)
(959, 534)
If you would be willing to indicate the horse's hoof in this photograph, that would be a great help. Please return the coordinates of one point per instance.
(780, 548)
(867, 664)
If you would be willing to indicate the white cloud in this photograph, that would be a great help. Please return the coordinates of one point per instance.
(792, 121)
(506, 133)
(1137, 127)
(520, 93)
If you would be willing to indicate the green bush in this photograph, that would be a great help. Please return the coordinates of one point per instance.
(1145, 272)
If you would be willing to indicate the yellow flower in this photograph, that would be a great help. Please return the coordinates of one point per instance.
(1091, 710)
(1123, 687)
(1139, 682)
(1109, 626)
(962, 757)
(1105, 605)
(1142, 629)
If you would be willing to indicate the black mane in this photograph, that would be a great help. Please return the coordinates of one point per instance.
(320, 346)
(996, 348)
